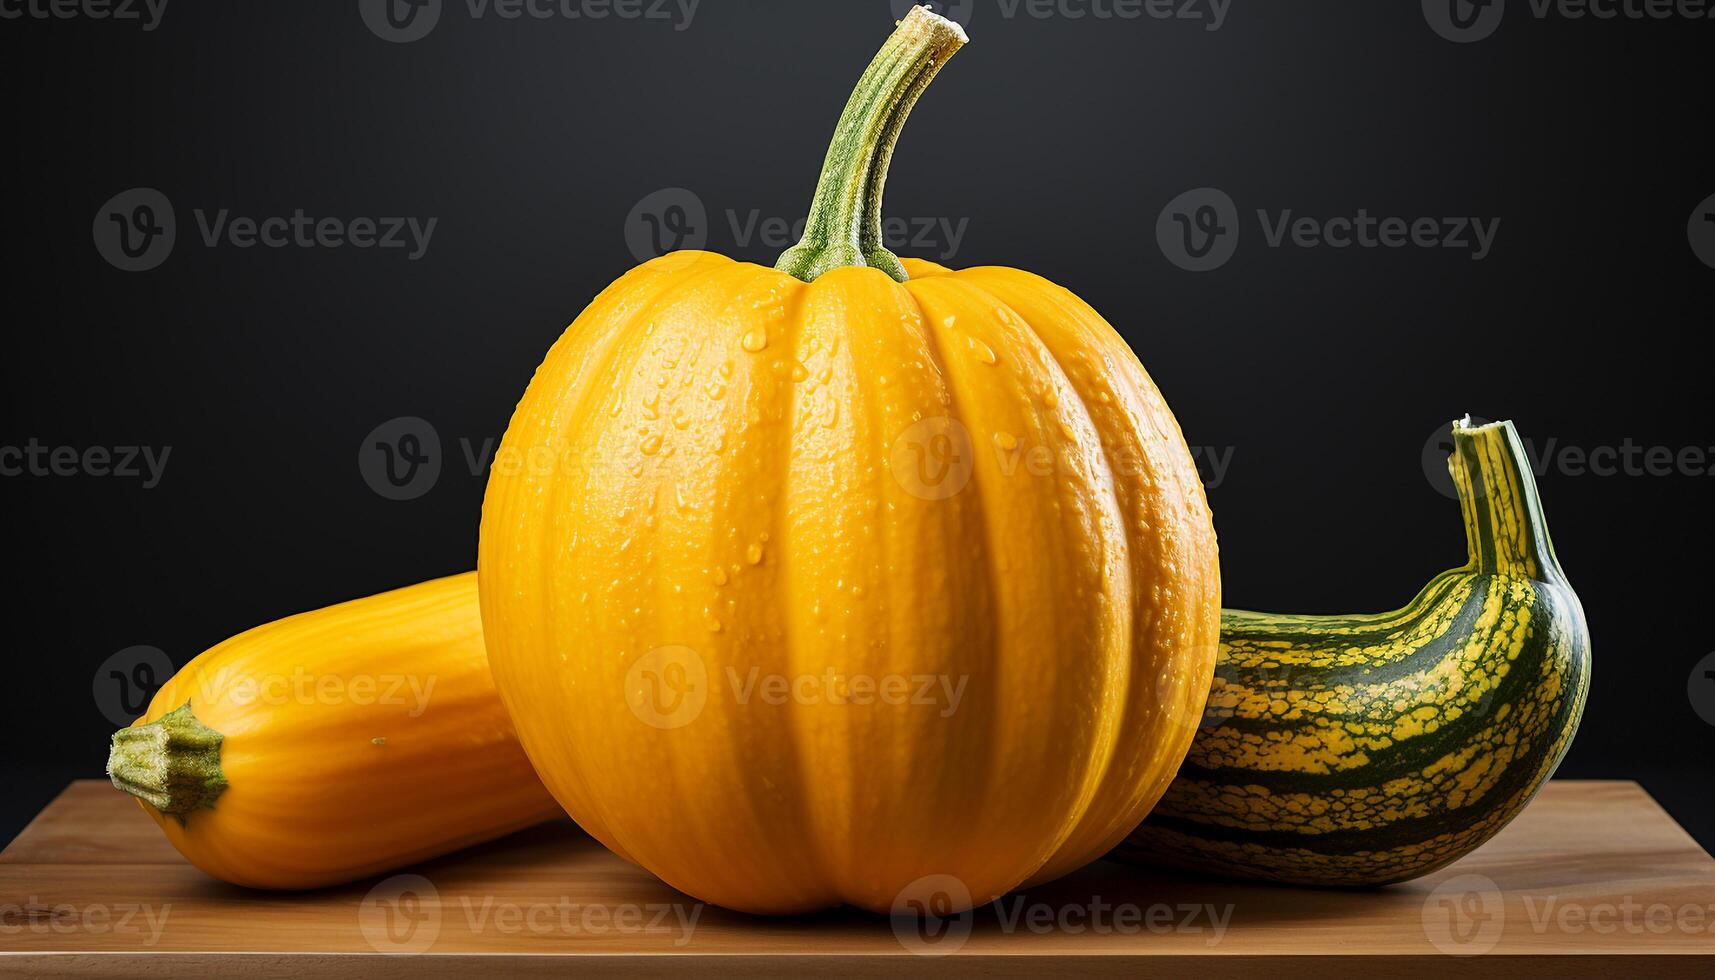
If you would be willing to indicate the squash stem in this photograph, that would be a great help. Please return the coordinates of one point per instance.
(844, 225)
(1504, 524)
(172, 764)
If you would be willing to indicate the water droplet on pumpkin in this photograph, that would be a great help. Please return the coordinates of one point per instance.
(650, 445)
(1006, 441)
(651, 407)
(753, 554)
(755, 341)
(681, 421)
(719, 575)
(715, 391)
(983, 352)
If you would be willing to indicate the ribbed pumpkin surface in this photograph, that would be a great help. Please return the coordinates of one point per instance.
(722, 475)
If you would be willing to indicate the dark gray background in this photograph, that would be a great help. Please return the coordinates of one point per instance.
(1060, 140)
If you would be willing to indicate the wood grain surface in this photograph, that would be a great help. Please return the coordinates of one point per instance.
(1593, 878)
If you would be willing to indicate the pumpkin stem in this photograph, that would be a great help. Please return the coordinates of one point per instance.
(1504, 525)
(172, 764)
(844, 226)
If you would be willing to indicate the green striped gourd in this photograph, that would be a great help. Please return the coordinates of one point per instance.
(1368, 749)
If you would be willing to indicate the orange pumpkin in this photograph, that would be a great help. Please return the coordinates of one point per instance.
(837, 581)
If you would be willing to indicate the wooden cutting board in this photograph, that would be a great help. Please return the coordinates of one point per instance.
(1594, 878)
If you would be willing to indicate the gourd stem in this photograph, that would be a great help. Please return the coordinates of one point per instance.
(172, 764)
(1504, 524)
(844, 225)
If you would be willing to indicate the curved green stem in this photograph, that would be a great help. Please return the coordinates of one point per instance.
(172, 764)
(844, 225)
(1504, 525)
